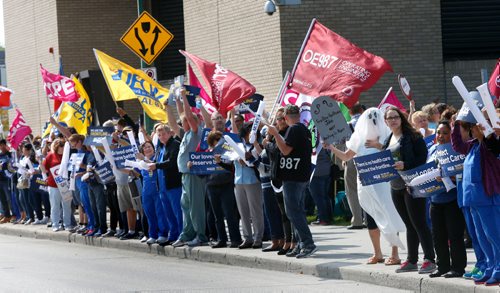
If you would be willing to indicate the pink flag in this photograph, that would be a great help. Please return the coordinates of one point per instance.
(330, 65)
(5, 95)
(228, 88)
(494, 82)
(18, 130)
(391, 100)
(58, 87)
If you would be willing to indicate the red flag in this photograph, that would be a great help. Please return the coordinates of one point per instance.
(5, 95)
(330, 65)
(58, 87)
(391, 100)
(193, 80)
(494, 82)
(228, 88)
(18, 130)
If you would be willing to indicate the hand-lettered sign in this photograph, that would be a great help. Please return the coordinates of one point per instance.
(330, 121)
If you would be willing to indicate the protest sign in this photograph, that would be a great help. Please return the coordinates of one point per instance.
(191, 93)
(428, 188)
(96, 133)
(252, 102)
(330, 121)
(204, 164)
(122, 154)
(105, 172)
(204, 136)
(429, 140)
(62, 184)
(226, 151)
(452, 163)
(376, 168)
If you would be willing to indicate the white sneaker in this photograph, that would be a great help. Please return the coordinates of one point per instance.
(45, 220)
(151, 241)
(55, 229)
(144, 239)
(28, 222)
(37, 222)
(161, 240)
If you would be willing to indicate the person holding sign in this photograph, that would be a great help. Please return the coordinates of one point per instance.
(369, 133)
(481, 189)
(295, 171)
(53, 159)
(448, 222)
(409, 151)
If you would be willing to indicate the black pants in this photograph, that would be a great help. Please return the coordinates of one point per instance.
(4, 198)
(223, 202)
(114, 210)
(448, 224)
(412, 212)
(287, 225)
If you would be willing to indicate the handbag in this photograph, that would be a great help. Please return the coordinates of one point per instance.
(23, 183)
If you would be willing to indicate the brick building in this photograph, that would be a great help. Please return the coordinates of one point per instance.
(426, 40)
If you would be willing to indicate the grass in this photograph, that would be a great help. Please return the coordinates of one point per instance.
(337, 220)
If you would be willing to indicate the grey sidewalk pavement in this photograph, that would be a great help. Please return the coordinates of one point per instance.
(342, 255)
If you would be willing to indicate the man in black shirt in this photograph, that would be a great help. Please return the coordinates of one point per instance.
(295, 171)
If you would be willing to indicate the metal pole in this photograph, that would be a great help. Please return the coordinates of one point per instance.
(302, 49)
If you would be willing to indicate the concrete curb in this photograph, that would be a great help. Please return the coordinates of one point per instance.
(327, 270)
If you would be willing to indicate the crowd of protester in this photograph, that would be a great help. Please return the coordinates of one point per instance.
(165, 204)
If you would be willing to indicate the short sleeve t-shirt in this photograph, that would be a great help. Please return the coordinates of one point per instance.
(297, 165)
(189, 144)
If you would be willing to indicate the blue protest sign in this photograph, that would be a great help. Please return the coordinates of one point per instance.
(191, 93)
(204, 164)
(452, 163)
(204, 136)
(429, 140)
(430, 187)
(122, 154)
(105, 172)
(252, 102)
(96, 133)
(376, 168)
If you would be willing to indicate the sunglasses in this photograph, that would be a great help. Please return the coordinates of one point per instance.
(391, 118)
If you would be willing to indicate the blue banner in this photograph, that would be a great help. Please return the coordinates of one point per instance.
(105, 172)
(428, 188)
(451, 162)
(122, 154)
(96, 133)
(252, 102)
(376, 168)
(204, 164)
(429, 140)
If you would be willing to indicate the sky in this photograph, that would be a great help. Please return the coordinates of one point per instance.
(2, 35)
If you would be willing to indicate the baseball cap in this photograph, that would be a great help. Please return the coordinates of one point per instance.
(465, 114)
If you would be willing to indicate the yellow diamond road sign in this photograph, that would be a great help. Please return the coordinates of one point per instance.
(147, 37)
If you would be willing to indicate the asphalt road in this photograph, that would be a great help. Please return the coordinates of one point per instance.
(33, 265)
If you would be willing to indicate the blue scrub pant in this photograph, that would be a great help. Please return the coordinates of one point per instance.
(487, 222)
(157, 219)
(471, 229)
(171, 203)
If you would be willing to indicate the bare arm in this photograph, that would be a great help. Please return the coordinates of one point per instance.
(206, 117)
(344, 156)
(233, 124)
(171, 120)
(193, 124)
(63, 130)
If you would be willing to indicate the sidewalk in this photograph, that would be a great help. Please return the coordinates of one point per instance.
(341, 255)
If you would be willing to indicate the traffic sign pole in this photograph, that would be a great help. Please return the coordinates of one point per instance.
(148, 122)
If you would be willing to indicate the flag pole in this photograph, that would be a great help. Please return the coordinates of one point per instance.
(385, 97)
(47, 98)
(301, 50)
(279, 97)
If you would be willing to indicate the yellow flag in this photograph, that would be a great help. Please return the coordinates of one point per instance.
(127, 83)
(74, 114)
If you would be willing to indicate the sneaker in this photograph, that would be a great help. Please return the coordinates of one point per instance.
(294, 252)
(427, 267)
(28, 221)
(482, 280)
(196, 242)
(479, 275)
(474, 271)
(89, 233)
(151, 241)
(56, 229)
(306, 252)
(492, 282)
(110, 233)
(129, 236)
(45, 220)
(320, 223)
(144, 239)
(179, 243)
(407, 267)
(37, 222)
(162, 240)
(70, 229)
(98, 233)
(49, 224)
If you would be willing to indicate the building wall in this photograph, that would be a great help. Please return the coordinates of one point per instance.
(30, 30)
(405, 33)
(239, 36)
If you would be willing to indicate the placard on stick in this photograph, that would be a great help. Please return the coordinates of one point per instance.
(330, 121)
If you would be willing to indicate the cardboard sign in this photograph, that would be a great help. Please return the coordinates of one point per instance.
(122, 154)
(330, 121)
(96, 133)
(376, 168)
(252, 102)
(451, 162)
(105, 172)
(428, 188)
(204, 164)
(75, 160)
(404, 86)
(62, 184)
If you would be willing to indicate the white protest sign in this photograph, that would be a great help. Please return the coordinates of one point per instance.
(62, 184)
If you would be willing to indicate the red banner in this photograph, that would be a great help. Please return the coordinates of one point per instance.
(494, 82)
(58, 87)
(5, 95)
(18, 130)
(330, 65)
(228, 89)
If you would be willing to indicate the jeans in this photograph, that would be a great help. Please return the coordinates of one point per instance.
(55, 208)
(4, 198)
(223, 202)
(320, 188)
(25, 199)
(98, 204)
(273, 213)
(83, 188)
(293, 194)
